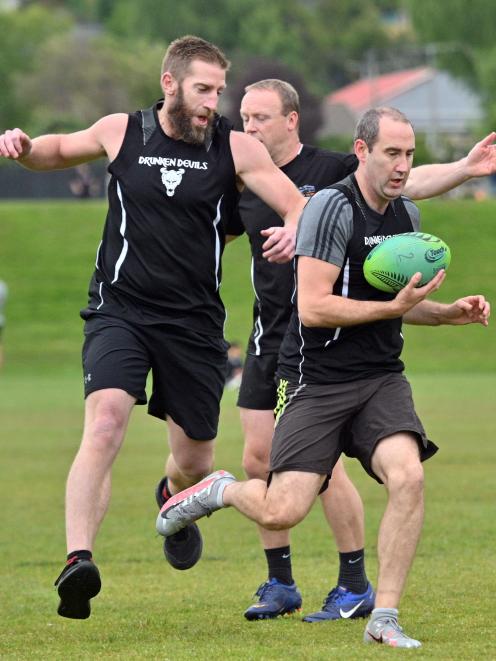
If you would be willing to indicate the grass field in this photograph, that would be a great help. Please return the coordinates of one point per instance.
(146, 609)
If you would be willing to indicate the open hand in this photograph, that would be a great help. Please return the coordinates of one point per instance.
(468, 310)
(481, 159)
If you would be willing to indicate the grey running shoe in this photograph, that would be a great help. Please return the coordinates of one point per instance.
(191, 504)
(182, 550)
(387, 631)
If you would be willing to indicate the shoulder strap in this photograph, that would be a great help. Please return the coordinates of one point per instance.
(348, 187)
(148, 123)
(346, 190)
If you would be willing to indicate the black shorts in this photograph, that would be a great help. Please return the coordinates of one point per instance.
(188, 369)
(316, 423)
(258, 389)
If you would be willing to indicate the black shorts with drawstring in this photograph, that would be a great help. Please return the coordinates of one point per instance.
(188, 369)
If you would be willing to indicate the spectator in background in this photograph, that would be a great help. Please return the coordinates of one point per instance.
(84, 185)
(234, 370)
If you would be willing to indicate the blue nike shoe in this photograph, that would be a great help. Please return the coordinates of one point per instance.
(275, 599)
(341, 604)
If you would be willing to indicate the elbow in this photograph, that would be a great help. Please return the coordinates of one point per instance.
(309, 317)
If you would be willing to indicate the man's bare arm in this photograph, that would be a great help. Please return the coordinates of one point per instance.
(257, 171)
(319, 307)
(59, 151)
(466, 310)
(438, 178)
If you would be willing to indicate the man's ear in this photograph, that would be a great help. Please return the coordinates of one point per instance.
(293, 118)
(168, 83)
(361, 150)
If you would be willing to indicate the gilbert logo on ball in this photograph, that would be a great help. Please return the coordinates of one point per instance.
(391, 264)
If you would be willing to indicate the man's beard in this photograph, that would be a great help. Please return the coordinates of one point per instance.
(181, 119)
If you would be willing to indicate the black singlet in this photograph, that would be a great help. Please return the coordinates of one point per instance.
(340, 215)
(171, 204)
(311, 170)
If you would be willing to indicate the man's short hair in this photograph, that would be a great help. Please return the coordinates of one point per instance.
(367, 128)
(183, 51)
(290, 101)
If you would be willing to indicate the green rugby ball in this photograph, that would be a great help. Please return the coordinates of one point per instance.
(391, 264)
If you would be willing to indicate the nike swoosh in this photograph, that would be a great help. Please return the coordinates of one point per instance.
(352, 562)
(377, 640)
(286, 555)
(349, 613)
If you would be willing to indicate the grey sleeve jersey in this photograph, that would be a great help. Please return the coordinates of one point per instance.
(413, 212)
(325, 227)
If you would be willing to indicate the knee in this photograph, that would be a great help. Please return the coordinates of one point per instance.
(106, 430)
(194, 469)
(255, 464)
(279, 518)
(407, 479)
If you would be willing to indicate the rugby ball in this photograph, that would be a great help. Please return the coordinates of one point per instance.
(390, 265)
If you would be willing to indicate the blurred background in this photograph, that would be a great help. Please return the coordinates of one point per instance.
(64, 64)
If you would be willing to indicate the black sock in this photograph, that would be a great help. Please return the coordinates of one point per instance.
(279, 564)
(83, 554)
(352, 574)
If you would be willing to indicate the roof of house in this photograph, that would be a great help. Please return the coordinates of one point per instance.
(379, 90)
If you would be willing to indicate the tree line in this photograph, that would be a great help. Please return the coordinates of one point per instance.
(64, 64)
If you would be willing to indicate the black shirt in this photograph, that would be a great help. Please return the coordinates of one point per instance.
(337, 226)
(311, 170)
(171, 204)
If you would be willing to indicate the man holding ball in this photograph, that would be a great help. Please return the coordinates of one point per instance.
(341, 382)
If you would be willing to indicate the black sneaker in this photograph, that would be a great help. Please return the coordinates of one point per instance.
(183, 549)
(77, 584)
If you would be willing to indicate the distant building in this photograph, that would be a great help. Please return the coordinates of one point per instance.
(436, 103)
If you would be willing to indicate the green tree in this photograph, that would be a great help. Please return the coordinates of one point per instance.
(322, 40)
(456, 21)
(22, 33)
(216, 20)
(113, 78)
(485, 68)
(461, 39)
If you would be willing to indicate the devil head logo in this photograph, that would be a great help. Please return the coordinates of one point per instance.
(171, 179)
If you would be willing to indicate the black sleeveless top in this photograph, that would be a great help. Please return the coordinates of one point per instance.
(311, 170)
(348, 353)
(171, 204)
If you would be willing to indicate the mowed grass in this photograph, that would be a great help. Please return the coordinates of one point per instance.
(146, 609)
(47, 254)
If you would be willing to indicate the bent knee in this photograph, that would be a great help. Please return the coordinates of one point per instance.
(255, 466)
(195, 469)
(407, 478)
(280, 519)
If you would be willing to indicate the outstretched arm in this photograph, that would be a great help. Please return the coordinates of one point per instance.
(257, 171)
(466, 310)
(437, 178)
(58, 151)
